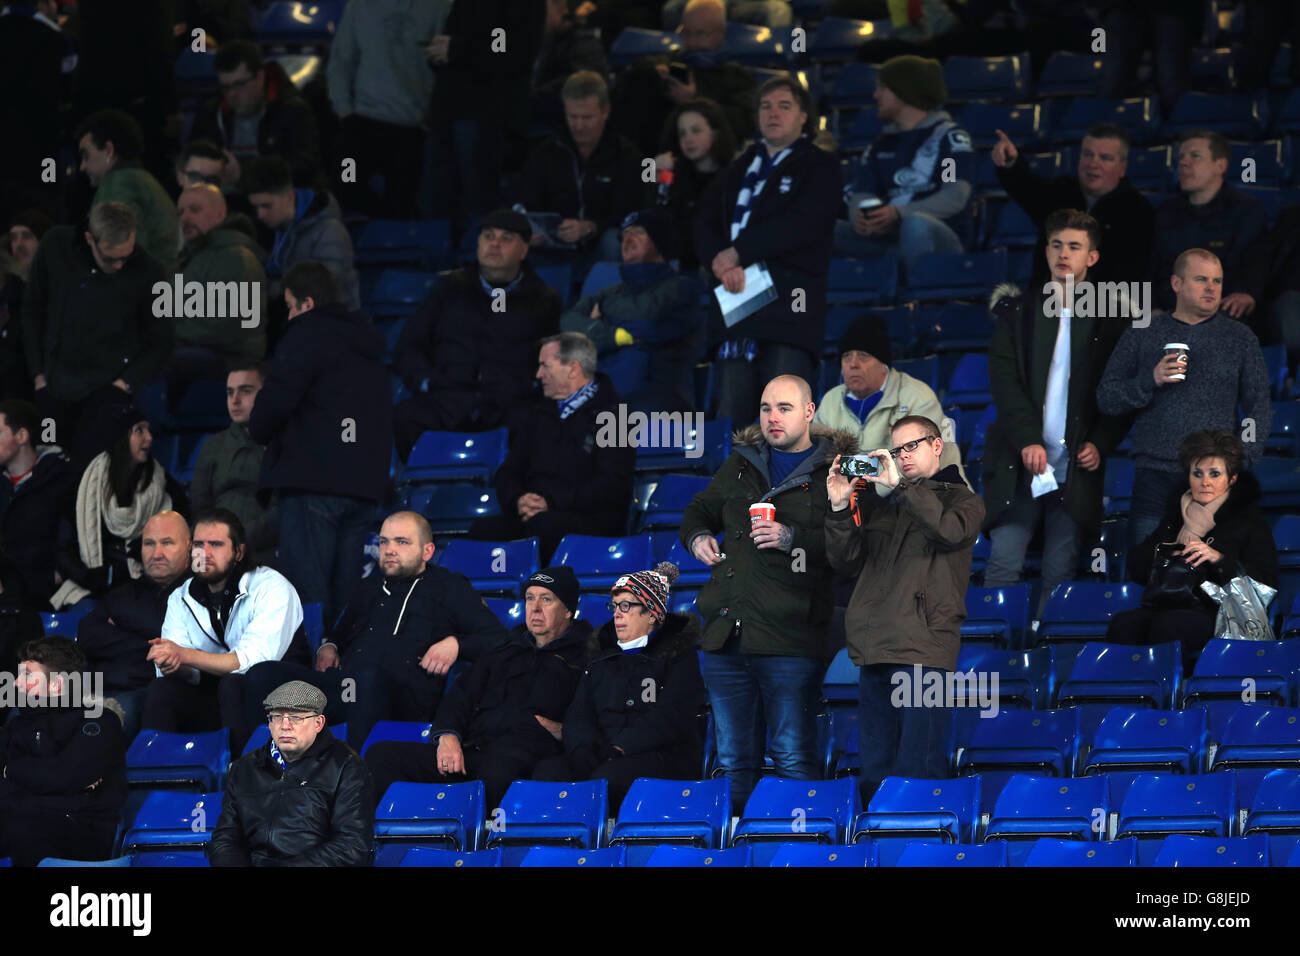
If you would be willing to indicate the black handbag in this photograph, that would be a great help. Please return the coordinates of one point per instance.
(1174, 583)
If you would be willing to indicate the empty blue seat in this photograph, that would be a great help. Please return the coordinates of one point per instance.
(781, 810)
(1284, 433)
(1060, 853)
(160, 760)
(945, 275)
(1280, 479)
(695, 856)
(949, 854)
(559, 278)
(634, 43)
(1024, 678)
(1151, 168)
(1158, 804)
(421, 243)
(563, 856)
(1106, 673)
(1032, 807)
(838, 38)
(1232, 114)
(693, 813)
(683, 602)
(1276, 365)
(602, 276)
(54, 861)
(1257, 735)
(1272, 667)
(170, 819)
(456, 456)
(66, 623)
(911, 808)
(447, 815)
(669, 499)
(1139, 116)
(428, 856)
(170, 858)
(410, 731)
(871, 281)
(452, 507)
(1083, 609)
(755, 46)
(262, 734)
(1152, 740)
(997, 616)
(1287, 119)
(986, 77)
(286, 22)
(1044, 741)
(969, 386)
(1118, 484)
(508, 612)
(1276, 804)
(673, 442)
(1270, 161)
(925, 369)
(1069, 74)
(1020, 122)
(398, 292)
(840, 684)
(1007, 224)
(599, 562)
(493, 566)
(855, 85)
(1183, 850)
(810, 854)
(537, 813)
(591, 608)
(977, 436)
(957, 327)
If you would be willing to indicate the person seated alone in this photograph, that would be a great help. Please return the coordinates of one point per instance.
(636, 711)
(506, 714)
(64, 771)
(304, 798)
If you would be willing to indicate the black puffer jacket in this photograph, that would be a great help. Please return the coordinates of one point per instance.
(641, 702)
(318, 812)
(502, 694)
(32, 515)
(115, 636)
(53, 756)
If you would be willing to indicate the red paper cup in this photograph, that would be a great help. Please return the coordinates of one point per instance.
(762, 511)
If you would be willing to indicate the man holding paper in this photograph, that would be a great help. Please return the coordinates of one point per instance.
(1043, 455)
(766, 227)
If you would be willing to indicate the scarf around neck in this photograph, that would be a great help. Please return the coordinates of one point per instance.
(97, 509)
(1198, 519)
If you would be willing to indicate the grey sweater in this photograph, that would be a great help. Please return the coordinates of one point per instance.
(1225, 367)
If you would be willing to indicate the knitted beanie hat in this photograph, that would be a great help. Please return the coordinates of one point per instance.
(916, 80)
(651, 587)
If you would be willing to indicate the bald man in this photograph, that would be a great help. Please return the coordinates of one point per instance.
(767, 606)
(388, 656)
(115, 636)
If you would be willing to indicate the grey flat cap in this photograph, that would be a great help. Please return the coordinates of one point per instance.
(296, 695)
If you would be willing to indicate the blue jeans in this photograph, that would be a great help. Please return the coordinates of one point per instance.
(899, 741)
(1151, 493)
(1011, 536)
(321, 542)
(749, 691)
(918, 234)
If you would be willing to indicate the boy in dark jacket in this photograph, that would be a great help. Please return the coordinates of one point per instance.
(64, 778)
(506, 714)
(636, 711)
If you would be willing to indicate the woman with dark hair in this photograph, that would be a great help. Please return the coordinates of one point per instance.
(698, 142)
(121, 489)
(1214, 528)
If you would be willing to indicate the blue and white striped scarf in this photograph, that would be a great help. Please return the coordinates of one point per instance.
(755, 178)
(575, 401)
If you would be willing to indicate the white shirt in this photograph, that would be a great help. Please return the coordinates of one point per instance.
(1057, 399)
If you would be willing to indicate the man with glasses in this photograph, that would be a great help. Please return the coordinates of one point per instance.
(89, 328)
(304, 798)
(911, 554)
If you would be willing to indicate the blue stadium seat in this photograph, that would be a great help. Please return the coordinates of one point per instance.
(449, 816)
(1021, 122)
(169, 819)
(1069, 74)
(872, 280)
(1222, 670)
(1151, 168)
(1257, 735)
(1287, 119)
(1110, 673)
(491, 566)
(1158, 804)
(591, 608)
(196, 74)
(987, 417)
(412, 731)
(563, 856)
(171, 858)
(676, 444)
(538, 813)
(66, 623)
(755, 46)
(1275, 363)
(1133, 739)
(423, 244)
(1275, 808)
(1118, 485)
(1071, 853)
(599, 562)
(943, 275)
(996, 616)
(969, 386)
(452, 507)
(508, 612)
(841, 682)
(1007, 224)
(862, 132)
(1280, 479)
(1183, 850)
(1032, 807)
(948, 854)
(634, 43)
(1113, 541)
(1232, 114)
(1079, 610)
(298, 23)
(1042, 741)
(810, 854)
(262, 734)
(1139, 116)
(398, 292)
(925, 369)
(602, 276)
(1271, 161)
(669, 499)
(1024, 678)
(1212, 69)
(854, 86)
(456, 456)
(428, 856)
(958, 327)
(1284, 434)
(911, 808)
(159, 760)
(560, 278)
(301, 68)
(691, 813)
(684, 602)
(55, 861)
(838, 38)
(694, 856)
(781, 810)
(986, 77)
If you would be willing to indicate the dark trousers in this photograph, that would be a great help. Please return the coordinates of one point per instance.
(548, 526)
(176, 706)
(381, 149)
(77, 424)
(498, 765)
(361, 696)
(740, 383)
(467, 170)
(1192, 627)
(899, 741)
(620, 772)
(1129, 31)
(1152, 490)
(322, 538)
(30, 837)
(1268, 24)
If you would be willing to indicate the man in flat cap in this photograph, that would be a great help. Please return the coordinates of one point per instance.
(303, 799)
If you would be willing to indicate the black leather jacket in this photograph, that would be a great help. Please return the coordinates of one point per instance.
(318, 812)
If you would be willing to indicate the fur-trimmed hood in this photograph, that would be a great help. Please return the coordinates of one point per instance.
(1004, 293)
(842, 442)
(678, 634)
